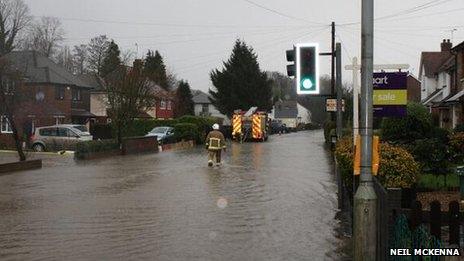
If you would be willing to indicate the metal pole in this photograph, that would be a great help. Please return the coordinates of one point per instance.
(365, 200)
(339, 92)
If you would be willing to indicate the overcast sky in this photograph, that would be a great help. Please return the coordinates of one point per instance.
(195, 36)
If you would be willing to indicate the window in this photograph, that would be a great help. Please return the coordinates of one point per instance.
(63, 132)
(59, 93)
(169, 105)
(76, 94)
(48, 132)
(205, 108)
(163, 104)
(5, 125)
(8, 86)
(59, 120)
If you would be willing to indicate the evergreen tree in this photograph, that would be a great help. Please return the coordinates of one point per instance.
(155, 69)
(112, 59)
(184, 100)
(241, 84)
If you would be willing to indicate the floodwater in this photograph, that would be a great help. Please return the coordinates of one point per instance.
(269, 201)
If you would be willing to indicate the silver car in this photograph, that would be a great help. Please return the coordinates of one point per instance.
(162, 133)
(58, 137)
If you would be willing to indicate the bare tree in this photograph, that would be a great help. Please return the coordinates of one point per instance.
(45, 36)
(14, 17)
(129, 93)
(96, 50)
(171, 79)
(65, 58)
(80, 56)
(11, 99)
(127, 57)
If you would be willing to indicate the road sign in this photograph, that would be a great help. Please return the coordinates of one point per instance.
(390, 94)
(331, 105)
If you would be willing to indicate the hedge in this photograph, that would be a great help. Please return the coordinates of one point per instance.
(397, 169)
(186, 131)
(142, 127)
(86, 147)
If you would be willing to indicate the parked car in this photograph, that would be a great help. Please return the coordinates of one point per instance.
(80, 127)
(164, 134)
(58, 137)
(278, 127)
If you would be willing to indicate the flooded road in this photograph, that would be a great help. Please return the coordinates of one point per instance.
(269, 201)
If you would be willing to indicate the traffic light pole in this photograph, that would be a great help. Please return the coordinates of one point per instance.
(365, 199)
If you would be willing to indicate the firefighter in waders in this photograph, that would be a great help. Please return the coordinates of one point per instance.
(215, 143)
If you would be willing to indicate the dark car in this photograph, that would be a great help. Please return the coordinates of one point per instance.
(278, 127)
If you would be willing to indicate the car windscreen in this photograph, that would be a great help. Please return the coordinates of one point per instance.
(159, 130)
(81, 128)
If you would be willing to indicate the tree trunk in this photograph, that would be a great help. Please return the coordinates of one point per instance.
(119, 135)
(19, 147)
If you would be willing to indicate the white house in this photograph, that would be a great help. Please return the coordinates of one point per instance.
(290, 113)
(204, 107)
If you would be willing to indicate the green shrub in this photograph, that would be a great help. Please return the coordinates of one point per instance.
(85, 147)
(328, 127)
(203, 124)
(459, 128)
(344, 155)
(434, 182)
(457, 147)
(433, 155)
(186, 131)
(397, 166)
(416, 125)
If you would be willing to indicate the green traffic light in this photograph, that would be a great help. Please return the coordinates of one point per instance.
(307, 84)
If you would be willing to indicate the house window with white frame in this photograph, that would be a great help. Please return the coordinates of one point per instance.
(59, 120)
(169, 105)
(5, 125)
(163, 104)
(76, 94)
(8, 86)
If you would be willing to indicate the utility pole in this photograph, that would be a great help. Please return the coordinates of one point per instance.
(365, 199)
(339, 92)
(332, 82)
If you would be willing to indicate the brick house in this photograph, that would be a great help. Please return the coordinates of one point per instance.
(441, 76)
(164, 105)
(55, 96)
(414, 89)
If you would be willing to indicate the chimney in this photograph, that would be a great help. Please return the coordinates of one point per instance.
(446, 45)
(138, 64)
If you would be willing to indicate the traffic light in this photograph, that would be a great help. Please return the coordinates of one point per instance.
(291, 58)
(307, 69)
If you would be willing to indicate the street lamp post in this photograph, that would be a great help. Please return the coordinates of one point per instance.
(365, 199)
